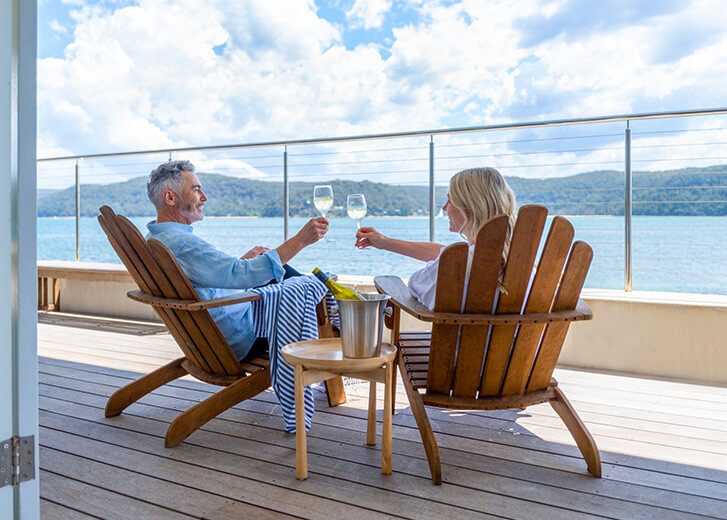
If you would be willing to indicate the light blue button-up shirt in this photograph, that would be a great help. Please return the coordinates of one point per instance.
(215, 274)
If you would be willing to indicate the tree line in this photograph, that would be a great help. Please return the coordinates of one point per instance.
(687, 191)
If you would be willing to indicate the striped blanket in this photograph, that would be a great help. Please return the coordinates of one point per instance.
(286, 313)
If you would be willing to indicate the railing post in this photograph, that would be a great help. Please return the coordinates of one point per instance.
(286, 194)
(628, 209)
(431, 188)
(78, 215)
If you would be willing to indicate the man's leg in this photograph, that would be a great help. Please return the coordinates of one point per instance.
(259, 348)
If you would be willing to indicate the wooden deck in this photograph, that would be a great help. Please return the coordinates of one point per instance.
(663, 445)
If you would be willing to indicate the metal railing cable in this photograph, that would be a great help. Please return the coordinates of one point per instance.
(286, 165)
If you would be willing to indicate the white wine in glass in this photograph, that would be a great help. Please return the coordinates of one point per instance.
(323, 200)
(356, 206)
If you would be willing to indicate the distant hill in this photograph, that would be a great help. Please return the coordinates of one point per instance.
(44, 192)
(688, 191)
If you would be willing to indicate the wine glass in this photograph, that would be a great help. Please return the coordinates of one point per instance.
(323, 200)
(356, 205)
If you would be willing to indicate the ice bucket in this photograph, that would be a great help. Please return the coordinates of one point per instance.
(362, 325)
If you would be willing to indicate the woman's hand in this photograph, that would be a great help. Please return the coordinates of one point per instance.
(255, 251)
(369, 237)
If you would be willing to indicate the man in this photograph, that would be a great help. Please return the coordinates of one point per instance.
(177, 194)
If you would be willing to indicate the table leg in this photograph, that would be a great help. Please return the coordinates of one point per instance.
(386, 434)
(301, 448)
(371, 429)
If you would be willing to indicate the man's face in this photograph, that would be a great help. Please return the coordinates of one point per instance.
(190, 201)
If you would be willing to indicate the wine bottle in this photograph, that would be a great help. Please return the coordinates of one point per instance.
(340, 292)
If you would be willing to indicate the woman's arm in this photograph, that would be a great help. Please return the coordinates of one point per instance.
(425, 251)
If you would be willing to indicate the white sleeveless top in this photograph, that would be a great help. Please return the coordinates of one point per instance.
(423, 283)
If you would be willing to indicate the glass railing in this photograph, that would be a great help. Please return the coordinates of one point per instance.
(647, 191)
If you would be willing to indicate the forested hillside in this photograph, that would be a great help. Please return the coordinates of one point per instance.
(690, 191)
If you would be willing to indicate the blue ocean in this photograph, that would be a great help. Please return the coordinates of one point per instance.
(680, 254)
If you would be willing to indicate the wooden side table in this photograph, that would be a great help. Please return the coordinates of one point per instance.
(321, 359)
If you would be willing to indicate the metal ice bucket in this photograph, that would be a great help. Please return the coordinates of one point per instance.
(362, 325)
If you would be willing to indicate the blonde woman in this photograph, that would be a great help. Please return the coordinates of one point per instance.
(475, 195)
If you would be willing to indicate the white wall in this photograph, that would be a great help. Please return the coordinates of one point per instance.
(659, 334)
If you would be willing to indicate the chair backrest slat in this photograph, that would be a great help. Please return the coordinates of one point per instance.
(540, 299)
(196, 333)
(126, 252)
(204, 331)
(450, 285)
(574, 276)
(519, 357)
(481, 291)
(521, 258)
(134, 252)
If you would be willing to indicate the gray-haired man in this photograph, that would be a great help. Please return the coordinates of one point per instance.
(176, 192)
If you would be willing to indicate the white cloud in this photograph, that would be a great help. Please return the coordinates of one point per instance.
(368, 14)
(229, 167)
(58, 27)
(153, 75)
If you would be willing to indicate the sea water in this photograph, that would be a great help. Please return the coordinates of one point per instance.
(682, 254)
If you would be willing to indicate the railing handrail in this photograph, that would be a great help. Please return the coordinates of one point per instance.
(414, 133)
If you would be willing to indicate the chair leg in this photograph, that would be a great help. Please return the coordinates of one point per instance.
(129, 394)
(425, 428)
(186, 423)
(578, 430)
(335, 391)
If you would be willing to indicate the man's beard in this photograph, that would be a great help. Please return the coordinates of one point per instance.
(193, 212)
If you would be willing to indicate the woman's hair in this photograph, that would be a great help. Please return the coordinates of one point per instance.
(483, 193)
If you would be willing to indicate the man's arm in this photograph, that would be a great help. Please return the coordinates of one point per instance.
(207, 266)
(312, 232)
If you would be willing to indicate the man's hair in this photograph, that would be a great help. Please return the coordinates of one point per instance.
(166, 176)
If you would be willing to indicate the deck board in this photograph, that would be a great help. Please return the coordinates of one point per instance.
(664, 447)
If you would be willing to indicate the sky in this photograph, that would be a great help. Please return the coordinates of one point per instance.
(122, 75)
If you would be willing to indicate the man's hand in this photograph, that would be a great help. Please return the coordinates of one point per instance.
(313, 231)
(255, 251)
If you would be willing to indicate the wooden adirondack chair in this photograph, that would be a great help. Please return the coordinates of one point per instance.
(207, 355)
(503, 359)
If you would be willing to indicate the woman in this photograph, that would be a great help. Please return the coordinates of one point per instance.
(475, 195)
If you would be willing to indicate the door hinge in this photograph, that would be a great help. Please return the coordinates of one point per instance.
(17, 460)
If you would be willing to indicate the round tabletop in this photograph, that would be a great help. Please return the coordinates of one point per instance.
(326, 354)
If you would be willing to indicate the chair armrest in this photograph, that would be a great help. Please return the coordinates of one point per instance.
(581, 313)
(192, 305)
(402, 298)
